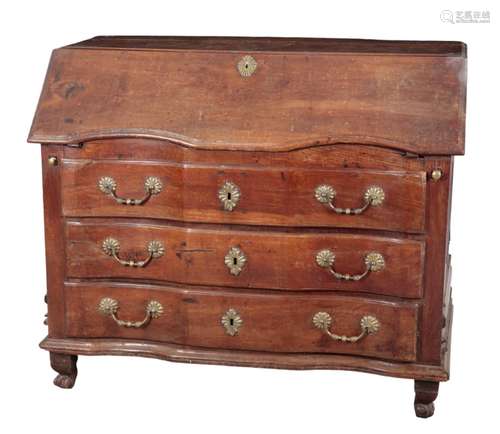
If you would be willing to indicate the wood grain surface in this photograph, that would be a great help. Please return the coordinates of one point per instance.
(277, 196)
(293, 100)
(271, 322)
(348, 113)
(186, 354)
(275, 260)
(224, 43)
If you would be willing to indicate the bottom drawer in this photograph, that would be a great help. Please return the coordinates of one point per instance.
(244, 320)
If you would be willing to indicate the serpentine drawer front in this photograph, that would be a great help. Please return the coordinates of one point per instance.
(248, 259)
(244, 321)
(392, 200)
(279, 203)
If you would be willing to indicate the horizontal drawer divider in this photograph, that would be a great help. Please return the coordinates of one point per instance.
(175, 286)
(138, 222)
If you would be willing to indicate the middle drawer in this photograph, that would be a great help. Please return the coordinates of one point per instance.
(245, 258)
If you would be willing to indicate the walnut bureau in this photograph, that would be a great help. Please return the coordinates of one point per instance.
(265, 202)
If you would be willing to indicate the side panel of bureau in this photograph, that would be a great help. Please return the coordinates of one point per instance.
(54, 239)
(270, 321)
(432, 344)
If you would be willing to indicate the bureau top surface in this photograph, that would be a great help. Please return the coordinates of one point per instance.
(257, 94)
(321, 45)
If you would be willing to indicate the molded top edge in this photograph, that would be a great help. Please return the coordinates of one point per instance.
(321, 45)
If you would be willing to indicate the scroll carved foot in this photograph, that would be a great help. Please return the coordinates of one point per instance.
(425, 394)
(65, 365)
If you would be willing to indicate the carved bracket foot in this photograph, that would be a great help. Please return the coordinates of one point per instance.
(425, 394)
(65, 365)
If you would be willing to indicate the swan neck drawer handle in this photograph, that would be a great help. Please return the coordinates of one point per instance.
(109, 307)
(325, 194)
(152, 185)
(374, 262)
(111, 247)
(369, 325)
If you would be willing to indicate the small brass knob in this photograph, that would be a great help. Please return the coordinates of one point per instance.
(52, 161)
(436, 174)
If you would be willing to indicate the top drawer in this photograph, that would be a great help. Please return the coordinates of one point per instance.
(346, 198)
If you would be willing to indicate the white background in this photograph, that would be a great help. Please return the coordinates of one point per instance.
(133, 395)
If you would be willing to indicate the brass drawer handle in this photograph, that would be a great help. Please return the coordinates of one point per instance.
(373, 261)
(111, 247)
(109, 307)
(152, 185)
(369, 325)
(325, 194)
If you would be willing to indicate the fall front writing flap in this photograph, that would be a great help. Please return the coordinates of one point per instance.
(256, 99)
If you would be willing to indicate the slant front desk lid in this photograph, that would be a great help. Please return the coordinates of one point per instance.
(257, 94)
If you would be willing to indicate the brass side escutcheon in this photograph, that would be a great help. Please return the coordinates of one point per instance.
(375, 261)
(374, 195)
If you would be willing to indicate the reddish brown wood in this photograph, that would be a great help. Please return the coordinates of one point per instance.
(218, 43)
(438, 227)
(54, 239)
(269, 196)
(425, 394)
(275, 260)
(271, 321)
(65, 365)
(198, 98)
(324, 157)
(348, 113)
(186, 354)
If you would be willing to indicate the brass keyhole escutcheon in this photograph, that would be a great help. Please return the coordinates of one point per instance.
(247, 66)
(232, 322)
(229, 195)
(235, 260)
